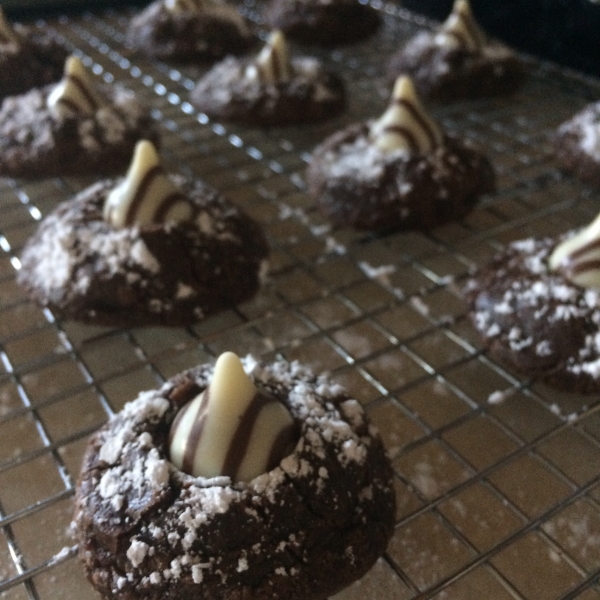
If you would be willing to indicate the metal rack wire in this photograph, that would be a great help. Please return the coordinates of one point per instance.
(498, 477)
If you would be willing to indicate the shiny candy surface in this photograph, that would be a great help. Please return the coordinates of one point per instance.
(146, 195)
(231, 429)
(75, 93)
(405, 125)
(273, 62)
(460, 29)
(578, 257)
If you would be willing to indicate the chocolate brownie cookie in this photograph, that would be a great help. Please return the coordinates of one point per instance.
(150, 249)
(189, 30)
(270, 89)
(72, 127)
(398, 172)
(537, 307)
(458, 61)
(577, 144)
(29, 57)
(322, 22)
(300, 530)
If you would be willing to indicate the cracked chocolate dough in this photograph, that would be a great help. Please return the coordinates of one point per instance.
(400, 171)
(457, 61)
(537, 308)
(148, 249)
(203, 30)
(72, 127)
(322, 22)
(270, 89)
(303, 530)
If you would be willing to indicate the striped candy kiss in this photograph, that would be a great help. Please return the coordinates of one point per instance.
(231, 429)
(460, 29)
(405, 125)
(146, 195)
(578, 258)
(273, 63)
(75, 93)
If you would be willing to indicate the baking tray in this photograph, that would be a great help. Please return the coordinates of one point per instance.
(497, 476)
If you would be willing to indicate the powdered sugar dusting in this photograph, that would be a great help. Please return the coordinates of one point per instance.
(537, 313)
(586, 126)
(134, 469)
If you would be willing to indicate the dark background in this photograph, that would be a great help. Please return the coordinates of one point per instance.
(563, 31)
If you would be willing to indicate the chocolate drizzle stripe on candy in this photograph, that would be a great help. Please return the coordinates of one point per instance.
(276, 64)
(238, 445)
(583, 260)
(585, 266)
(142, 192)
(162, 211)
(418, 117)
(403, 132)
(475, 36)
(241, 438)
(589, 247)
(195, 432)
(281, 445)
(272, 63)
(462, 27)
(89, 104)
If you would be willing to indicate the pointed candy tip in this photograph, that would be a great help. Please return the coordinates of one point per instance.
(276, 37)
(146, 151)
(404, 88)
(228, 360)
(462, 7)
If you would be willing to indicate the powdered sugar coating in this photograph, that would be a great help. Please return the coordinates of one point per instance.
(535, 319)
(585, 127)
(234, 90)
(36, 141)
(79, 265)
(357, 184)
(168, 522)
(215, 30)
(451, 72)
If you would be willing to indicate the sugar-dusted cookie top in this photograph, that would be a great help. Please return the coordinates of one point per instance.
(271, 88)
(148, 249)
(537, 308)
(400, 171)
(458, 61)
(189, 30)
(301, 530)
(74, 126)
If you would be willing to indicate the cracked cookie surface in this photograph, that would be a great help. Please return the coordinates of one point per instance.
(302, 531)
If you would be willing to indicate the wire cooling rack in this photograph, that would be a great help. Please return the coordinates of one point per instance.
(497, 476)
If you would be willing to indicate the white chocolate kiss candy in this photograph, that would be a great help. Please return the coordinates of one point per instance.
(7, 33)
(460, 29)
(146, 195)
(578, 258)
(231, 429)
(75, 92)
(405, 125)
(179, 6)
(273, 62)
